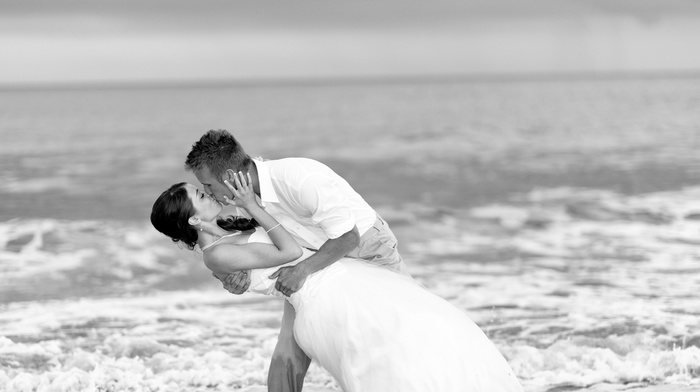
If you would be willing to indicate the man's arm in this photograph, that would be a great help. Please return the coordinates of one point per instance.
(290, 279)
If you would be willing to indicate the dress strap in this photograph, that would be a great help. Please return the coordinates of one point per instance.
(219, 240)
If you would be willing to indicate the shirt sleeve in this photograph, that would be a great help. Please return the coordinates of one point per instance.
(328, 206)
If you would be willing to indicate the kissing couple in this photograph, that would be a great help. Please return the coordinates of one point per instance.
(350, 303)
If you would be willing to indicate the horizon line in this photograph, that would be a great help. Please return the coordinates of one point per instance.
(508, 77)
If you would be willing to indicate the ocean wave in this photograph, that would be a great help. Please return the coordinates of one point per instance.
(577, 287)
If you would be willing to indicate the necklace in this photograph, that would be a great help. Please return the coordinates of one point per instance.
(221, 238)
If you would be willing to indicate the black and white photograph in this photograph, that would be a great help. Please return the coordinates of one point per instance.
(355, 196)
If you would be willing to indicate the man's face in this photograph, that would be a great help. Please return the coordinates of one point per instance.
(211, 185)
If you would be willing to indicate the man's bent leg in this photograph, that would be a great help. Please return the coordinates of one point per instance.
(289, 362)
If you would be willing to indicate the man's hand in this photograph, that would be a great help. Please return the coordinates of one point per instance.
(236, 283)
(289, 279)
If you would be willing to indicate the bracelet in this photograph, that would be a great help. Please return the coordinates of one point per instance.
(272, 228)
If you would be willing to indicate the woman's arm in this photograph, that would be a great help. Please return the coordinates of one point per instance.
(229, 258)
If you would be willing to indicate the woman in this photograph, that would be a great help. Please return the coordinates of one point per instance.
(371, 329)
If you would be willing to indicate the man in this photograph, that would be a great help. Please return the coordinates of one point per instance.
(317, 206)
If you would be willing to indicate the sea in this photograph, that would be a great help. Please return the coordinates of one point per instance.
(561, 214)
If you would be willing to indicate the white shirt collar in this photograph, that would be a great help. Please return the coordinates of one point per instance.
(267, 192)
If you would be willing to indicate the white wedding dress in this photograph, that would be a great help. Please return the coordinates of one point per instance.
(374, 330)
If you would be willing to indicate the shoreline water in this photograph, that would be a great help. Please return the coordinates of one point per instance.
(576, 287)
(561, 216)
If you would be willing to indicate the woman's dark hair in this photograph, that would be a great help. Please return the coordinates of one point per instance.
(171, 213)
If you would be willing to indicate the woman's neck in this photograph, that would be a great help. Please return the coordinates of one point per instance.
(210, 232)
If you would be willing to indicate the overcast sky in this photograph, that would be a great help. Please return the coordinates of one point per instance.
(59, 41)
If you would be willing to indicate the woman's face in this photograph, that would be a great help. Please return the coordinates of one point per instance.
(206, 207)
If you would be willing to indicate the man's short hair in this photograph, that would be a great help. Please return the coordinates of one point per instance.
(218, 151)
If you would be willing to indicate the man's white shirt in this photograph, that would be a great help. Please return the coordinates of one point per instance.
(310, 200)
